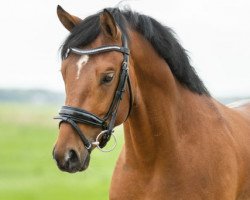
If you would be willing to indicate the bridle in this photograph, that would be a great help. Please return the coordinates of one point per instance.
(74, 115)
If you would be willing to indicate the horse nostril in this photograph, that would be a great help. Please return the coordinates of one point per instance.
(67, 161)
(73, 158)
(72, 162)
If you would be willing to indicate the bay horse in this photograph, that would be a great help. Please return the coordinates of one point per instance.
(120, 66)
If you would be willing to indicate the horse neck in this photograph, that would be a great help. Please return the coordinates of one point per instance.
(161, 107)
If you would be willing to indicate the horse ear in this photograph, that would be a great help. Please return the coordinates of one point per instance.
(68, 21)
(108, 25)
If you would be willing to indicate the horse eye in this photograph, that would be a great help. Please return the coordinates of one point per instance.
(107, 78)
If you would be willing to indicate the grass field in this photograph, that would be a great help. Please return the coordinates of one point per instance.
(27, 170)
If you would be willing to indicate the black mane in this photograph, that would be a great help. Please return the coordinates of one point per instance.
(161, 37)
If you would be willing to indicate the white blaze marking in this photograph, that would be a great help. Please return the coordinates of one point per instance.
(81, 62)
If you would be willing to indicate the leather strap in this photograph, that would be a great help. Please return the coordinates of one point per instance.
(101, 49)
(85, 141)
(130, 97)
(82, 116)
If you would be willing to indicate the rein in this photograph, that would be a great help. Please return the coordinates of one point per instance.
(73, 115)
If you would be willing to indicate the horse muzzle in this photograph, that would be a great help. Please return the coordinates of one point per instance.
(71, 161)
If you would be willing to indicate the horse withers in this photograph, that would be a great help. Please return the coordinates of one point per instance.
(123, 67)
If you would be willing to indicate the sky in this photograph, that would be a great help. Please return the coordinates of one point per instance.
(215, 33)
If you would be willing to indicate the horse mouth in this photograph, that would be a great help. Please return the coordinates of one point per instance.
(85, 163)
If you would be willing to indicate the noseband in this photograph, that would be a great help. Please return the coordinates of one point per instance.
(73, 115)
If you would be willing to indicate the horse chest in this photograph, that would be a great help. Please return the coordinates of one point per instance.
(134, 186)
(130, 182)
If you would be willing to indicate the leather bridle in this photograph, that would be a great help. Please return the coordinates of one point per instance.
(73, 115)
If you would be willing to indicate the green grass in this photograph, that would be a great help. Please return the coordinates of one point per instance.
(27, 170)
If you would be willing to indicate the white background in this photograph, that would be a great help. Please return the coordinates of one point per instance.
(216, 34)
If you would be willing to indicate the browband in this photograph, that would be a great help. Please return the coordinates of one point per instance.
(101, 49)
